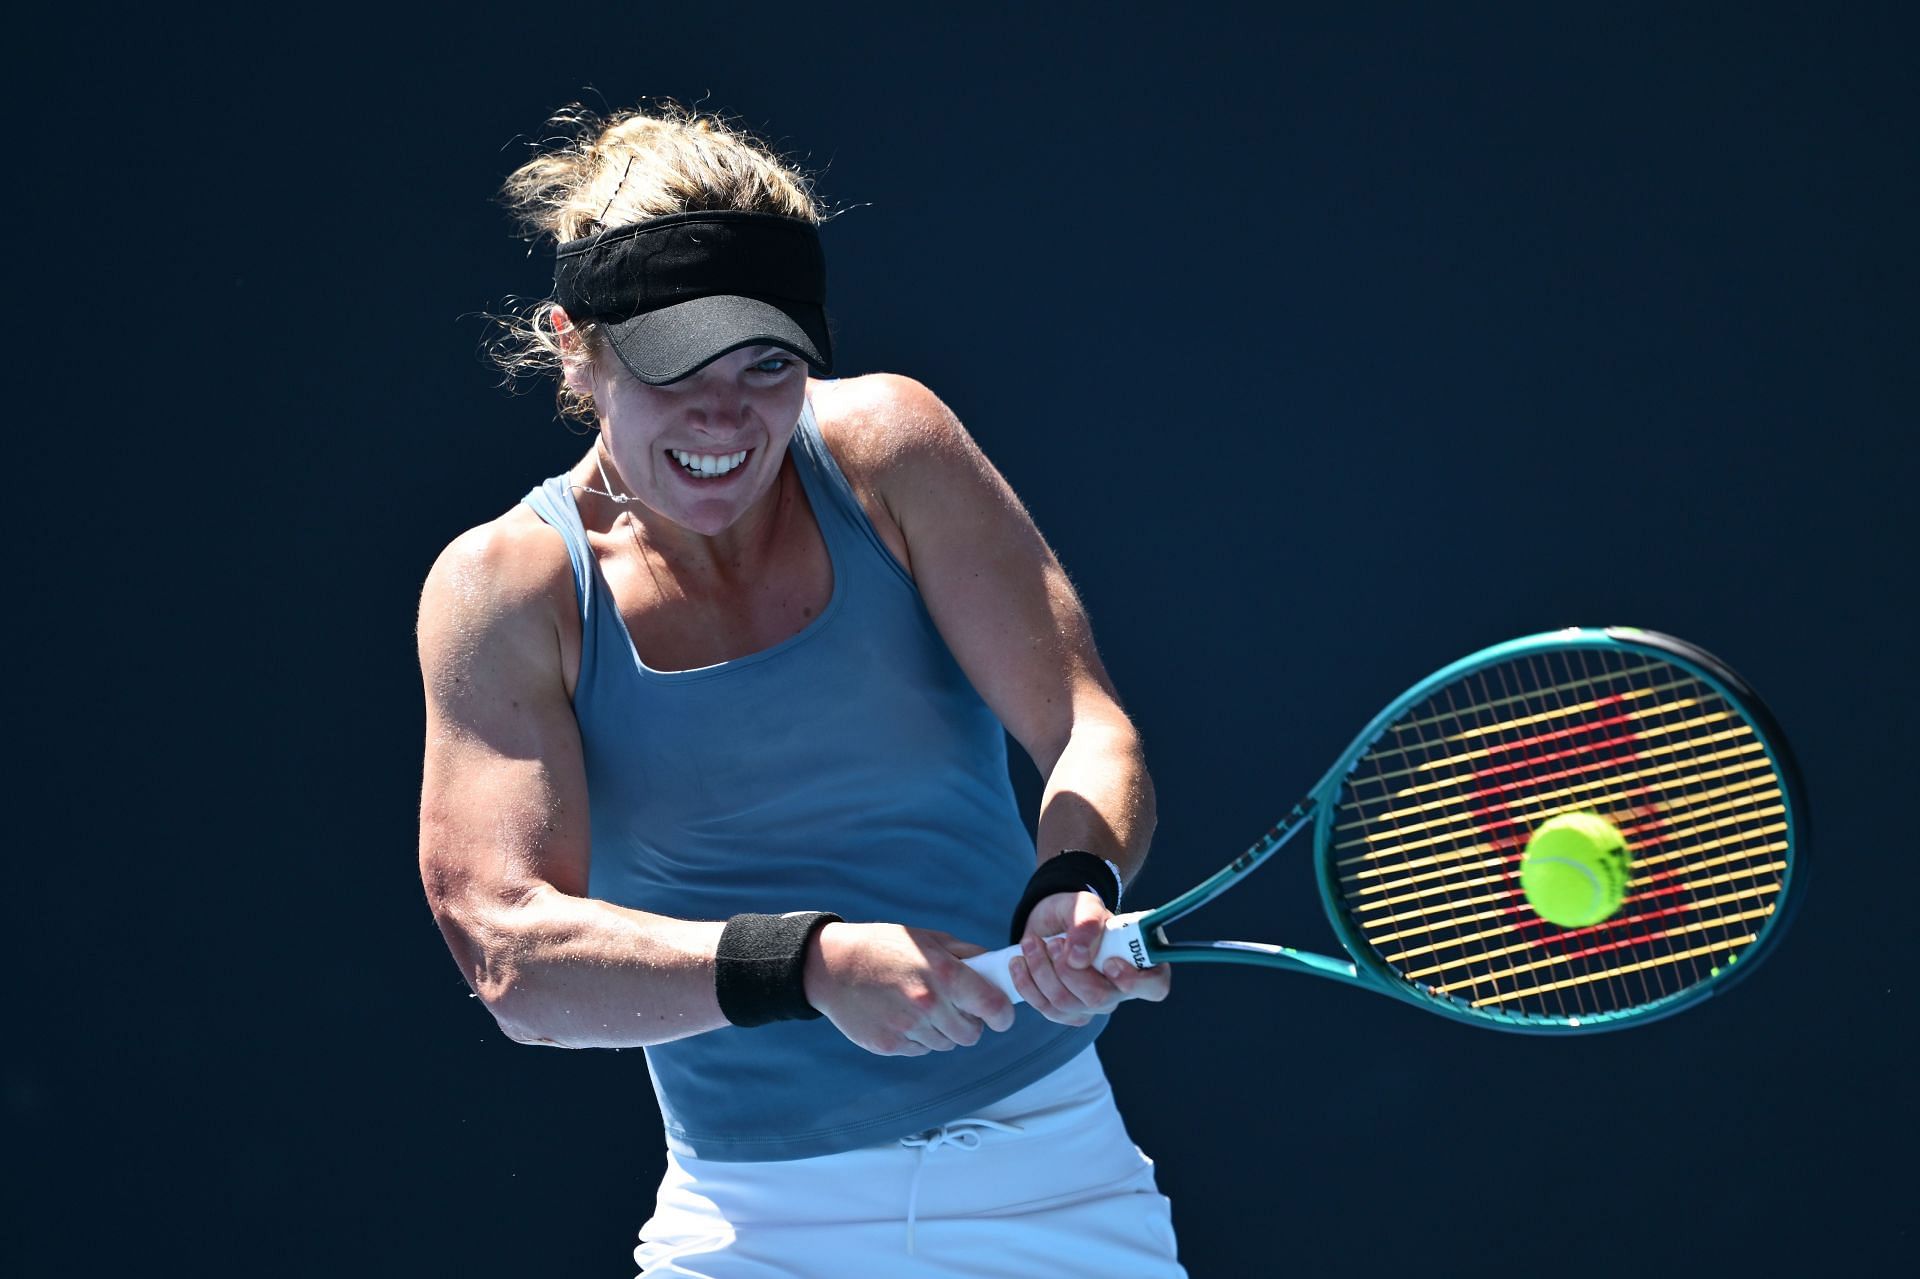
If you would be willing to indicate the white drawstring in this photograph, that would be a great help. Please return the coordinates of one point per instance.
(963, 1134)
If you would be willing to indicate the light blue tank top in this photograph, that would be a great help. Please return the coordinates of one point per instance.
(849, 768)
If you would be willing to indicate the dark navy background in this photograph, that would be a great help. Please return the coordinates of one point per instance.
(1324, 347)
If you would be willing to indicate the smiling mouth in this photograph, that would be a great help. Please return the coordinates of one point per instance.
(710, 466)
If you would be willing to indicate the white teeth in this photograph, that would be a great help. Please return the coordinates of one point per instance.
(708, 463)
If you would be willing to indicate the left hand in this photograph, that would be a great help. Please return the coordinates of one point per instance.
(1058, 978)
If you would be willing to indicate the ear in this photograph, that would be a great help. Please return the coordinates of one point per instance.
(574, 359)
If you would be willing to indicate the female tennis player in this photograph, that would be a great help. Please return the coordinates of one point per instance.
(715, 762)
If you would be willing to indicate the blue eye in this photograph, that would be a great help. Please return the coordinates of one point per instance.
(774, 364)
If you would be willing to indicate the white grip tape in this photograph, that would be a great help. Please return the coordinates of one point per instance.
(1122, 939)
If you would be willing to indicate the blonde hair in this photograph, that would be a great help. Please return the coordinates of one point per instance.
(601, 173)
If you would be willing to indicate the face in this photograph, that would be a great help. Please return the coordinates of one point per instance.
(705, 450)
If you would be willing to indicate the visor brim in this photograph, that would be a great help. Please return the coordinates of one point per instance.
(673, 342)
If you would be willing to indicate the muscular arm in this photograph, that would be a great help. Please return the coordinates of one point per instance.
(503, 819)
(504, 849)
(1011, 617)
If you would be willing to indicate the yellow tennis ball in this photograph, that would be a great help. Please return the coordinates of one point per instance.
(1574, 871)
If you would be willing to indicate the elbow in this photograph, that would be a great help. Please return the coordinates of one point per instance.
(489, 951)
(503, 996)
(516, 1010)
(501, 982)
(520, 1034)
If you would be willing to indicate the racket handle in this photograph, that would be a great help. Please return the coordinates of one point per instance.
(1123, 940)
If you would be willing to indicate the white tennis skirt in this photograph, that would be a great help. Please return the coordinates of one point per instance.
(1044, 1182)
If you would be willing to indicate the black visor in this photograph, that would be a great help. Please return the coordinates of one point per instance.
(674, 294)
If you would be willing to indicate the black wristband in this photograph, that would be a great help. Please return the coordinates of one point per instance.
(1071, 872)
(759, 971)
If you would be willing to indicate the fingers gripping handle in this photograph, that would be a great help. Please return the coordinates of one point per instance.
(1123, 939)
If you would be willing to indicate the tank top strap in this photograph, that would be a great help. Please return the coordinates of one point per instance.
(850, 535)
(553, 502)
(836, 507)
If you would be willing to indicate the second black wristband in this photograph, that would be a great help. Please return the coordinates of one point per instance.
(1071, 871)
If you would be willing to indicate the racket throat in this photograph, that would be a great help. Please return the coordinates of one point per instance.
(1262, 955)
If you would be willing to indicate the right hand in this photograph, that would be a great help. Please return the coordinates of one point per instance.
(901, 992)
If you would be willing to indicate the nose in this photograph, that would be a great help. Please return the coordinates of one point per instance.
(718, 407)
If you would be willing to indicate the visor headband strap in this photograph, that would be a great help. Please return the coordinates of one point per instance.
(630, 270)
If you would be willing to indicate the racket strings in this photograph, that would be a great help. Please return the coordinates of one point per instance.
(1433, 820)
(1536, 743)
(1748, 771)
(1656, 675)
(1648, 725)
(1427, 892)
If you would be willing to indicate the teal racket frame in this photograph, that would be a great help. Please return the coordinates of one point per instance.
(1363, 967)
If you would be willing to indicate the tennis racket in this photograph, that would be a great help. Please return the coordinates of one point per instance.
(1420, 825)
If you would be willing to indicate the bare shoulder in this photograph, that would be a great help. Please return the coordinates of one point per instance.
(503, 782)
(882, 420)
(501, 594)
(916, 470)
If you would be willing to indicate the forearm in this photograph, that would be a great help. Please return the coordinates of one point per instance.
(578, 973)
(1099, 797)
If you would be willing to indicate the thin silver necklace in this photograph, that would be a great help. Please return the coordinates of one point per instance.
(618, 499)
(633, 521)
